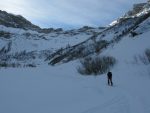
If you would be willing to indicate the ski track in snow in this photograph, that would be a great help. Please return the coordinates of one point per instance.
(122, 102)
(115, 105)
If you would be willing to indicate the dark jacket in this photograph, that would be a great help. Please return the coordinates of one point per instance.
(109, 75)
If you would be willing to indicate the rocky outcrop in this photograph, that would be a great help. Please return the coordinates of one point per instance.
(16, 21)
(136, 9)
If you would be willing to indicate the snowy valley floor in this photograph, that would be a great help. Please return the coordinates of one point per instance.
(61, 89)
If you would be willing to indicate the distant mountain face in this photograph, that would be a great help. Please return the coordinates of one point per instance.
(16, 21)
(21, 42)
(25, 44)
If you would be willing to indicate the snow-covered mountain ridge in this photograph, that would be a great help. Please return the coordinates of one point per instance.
(23, 37)
(132, 26)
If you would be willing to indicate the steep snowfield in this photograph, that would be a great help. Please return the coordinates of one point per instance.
(61, 89)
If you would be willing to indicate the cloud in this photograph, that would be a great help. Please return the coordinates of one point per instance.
(71, 13)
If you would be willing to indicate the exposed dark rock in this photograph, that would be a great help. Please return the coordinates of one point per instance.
(16, 21)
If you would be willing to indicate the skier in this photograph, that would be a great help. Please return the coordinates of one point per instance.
(109, 77)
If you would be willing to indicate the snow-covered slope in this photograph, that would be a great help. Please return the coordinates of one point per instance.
(61, 89)
(31, 40)
(128, 25)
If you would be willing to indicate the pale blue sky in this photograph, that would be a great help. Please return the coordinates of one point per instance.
(68, 13)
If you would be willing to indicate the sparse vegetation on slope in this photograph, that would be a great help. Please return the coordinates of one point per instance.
(147, 53)
(96, 65)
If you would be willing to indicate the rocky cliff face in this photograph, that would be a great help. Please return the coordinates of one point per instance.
(136, 9)
(16, 21)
